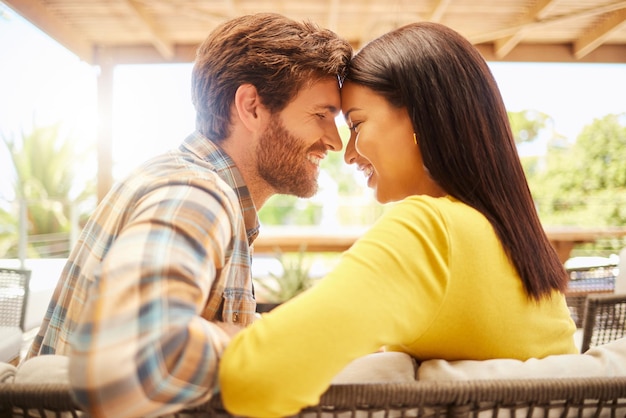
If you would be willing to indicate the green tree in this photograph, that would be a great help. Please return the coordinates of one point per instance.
(8, 232)
(527, 127)
(289, 210)
(585, 183)
(527, 124)
(48, 175)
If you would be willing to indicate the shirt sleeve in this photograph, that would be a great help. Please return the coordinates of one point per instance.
(385, 290)
(141, 347)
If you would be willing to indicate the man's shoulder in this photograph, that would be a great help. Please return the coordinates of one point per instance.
(174, 170)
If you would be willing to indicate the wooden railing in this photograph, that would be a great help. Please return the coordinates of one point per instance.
(564, 239)
(313, 239)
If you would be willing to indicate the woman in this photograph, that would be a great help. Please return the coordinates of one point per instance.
(458, 268)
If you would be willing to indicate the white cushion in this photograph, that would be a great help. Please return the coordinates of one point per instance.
(44, 369)
(604, 360)
(10, 343)
(7, 372)
(383, 367)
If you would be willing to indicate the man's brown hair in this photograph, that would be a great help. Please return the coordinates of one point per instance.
(277, 55)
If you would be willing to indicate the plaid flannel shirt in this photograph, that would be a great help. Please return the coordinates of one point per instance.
(166, 252)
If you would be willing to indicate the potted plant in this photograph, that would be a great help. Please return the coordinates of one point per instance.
(292, 280)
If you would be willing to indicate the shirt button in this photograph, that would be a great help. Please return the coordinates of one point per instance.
(236, 317)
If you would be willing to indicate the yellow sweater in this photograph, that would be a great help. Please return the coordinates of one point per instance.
(430, 278)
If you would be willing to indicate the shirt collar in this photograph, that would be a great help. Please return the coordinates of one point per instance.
(226, 169)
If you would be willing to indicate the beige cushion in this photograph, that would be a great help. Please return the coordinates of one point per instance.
(605, 360)
(383, 367)
(10, 343)
(7, 372)
(43, 369)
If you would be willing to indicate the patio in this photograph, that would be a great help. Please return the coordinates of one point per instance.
(315, 239)
(109, 33)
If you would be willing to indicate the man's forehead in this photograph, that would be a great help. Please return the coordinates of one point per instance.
(321, 96)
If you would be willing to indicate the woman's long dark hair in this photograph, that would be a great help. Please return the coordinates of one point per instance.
(464, 136)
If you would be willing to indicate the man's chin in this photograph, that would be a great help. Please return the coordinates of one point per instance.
(307, 194)
(301, 192)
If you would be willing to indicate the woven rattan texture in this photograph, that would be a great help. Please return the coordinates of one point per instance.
(584, 282)
(540, 398)
(605, 319)
(13, 296)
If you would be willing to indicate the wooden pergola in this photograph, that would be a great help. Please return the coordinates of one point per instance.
(106, 33)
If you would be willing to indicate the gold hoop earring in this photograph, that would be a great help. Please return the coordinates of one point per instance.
(414, 138)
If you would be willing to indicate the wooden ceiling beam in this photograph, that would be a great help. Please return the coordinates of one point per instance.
(54, 17)
(492, 36)
(614, 21)
(158, 39)
(439, 10)
(52, 26)
(333, 15)
(364, 34)
(147, 54)
(538, 12)
(232, 8)
(526, 52)
(522, 52)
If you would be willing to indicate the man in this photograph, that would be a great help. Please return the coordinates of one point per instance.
(160, 278)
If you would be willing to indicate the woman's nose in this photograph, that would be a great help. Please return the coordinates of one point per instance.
(350, 156)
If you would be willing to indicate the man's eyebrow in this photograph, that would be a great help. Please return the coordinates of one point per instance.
(329, 108)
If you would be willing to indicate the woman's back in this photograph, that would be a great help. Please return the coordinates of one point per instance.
(484, 311)
(430, 278)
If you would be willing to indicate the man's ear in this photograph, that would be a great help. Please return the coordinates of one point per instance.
(249, 107)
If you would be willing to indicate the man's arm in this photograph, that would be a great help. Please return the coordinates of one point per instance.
(141, 347)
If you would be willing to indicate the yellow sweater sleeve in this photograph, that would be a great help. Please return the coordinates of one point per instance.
(385, 290)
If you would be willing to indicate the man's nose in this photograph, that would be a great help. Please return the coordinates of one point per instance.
(332, 139)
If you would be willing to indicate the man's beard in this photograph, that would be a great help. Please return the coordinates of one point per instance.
(283, 163)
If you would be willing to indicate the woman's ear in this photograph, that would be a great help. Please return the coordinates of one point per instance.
(249, 107)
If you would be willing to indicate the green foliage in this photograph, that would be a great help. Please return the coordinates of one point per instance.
(603, 247)
(8, 232)
(47, 176)
(532, 165)
(295, 277)
(601, 153)
(527, 124)
(39, 160)
(289, 210)
(584, 184)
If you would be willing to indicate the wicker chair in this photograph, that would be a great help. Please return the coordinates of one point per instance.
(14, 288)
(587, 281)
(605, 319)
(541, 398)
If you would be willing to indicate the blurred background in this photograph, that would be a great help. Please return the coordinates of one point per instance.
(561, 69)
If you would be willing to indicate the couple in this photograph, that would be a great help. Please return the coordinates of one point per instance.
(158, 288)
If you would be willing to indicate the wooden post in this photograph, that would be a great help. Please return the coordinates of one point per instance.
(105, 121)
